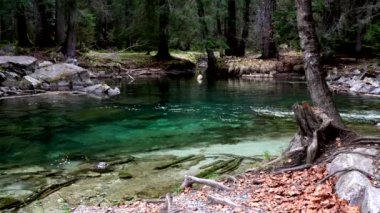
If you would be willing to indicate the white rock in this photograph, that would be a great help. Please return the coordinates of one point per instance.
(352, 186)
(113, 92)
(344, 161)
(371, 202)
(44, 64)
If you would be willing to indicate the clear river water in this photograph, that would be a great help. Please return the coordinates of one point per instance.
(152, 115)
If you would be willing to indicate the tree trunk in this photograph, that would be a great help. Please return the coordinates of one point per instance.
(69, 47)
(60, 25)
(232, 41)
(43, 29)
(163, 46)
(269, 49)
(318, 89)
(244, 36)
(22, 32)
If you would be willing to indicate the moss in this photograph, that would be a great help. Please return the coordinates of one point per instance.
(175, 162)
(7, 202)
(125, 175)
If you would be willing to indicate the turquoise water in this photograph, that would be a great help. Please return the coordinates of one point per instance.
(158, 115)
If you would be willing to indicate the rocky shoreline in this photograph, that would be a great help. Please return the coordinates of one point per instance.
(25, 75)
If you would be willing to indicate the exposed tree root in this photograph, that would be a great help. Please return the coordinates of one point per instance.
(223, 201)
(292, 169)
(344, 171)
(316, 130)
(169, 204)
(190, 180)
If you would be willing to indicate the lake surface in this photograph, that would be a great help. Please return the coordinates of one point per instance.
(161, 115)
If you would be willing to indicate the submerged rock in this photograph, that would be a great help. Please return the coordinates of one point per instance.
(125, 175)
(371, 200)
(101, 90)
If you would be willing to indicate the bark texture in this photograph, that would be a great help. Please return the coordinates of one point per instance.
(269, 49)
(44, 37)
(22, 32)
(244, 36)
(315, 76)
(163, 45)
(316, 131)
(69, 47)
(60, 25)
(231, 36)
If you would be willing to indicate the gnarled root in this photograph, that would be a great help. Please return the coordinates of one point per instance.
(190, 180)
(222, 201)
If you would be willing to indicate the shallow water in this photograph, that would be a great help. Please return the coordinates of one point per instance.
(161, 115)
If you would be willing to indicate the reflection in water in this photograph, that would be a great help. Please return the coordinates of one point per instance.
(158, 114)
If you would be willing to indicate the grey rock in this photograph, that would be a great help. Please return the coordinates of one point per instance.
(298, 68)
(1, 94)
(375, 91)
(332, 77)
(29, 83)
(69, 73)
(22, 65)
(378, 125)
(356, 72)
(113, 92)
(371, 200)
(3, 77)
(101, 90)
(344, 161)
(352, 186)
(10, 83)
(366, 88)
(357, 86)
(44, 64)
(11, 75)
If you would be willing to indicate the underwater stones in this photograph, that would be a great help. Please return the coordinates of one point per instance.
(125, 175)
(100, 167)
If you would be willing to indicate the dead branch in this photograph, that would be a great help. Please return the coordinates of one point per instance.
(169, 203)
(190, 180)
(222, 201)
(344, 171)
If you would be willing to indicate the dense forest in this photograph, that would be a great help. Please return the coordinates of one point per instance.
(344, 26)
(106, 105)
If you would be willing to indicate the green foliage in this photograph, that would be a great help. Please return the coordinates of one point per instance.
(285, 24)
(87, 24)
(372, 37)
(267, 157)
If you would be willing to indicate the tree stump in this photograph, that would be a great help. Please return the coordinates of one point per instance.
(316, 131)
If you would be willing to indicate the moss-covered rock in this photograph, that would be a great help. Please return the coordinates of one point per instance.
(125, 175)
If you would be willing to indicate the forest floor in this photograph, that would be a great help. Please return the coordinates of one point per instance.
(255, 191)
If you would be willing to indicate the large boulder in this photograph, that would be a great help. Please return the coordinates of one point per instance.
(22, 65)
(352, 187)
(63, 75)
(344, 161)
(371, 201)
(29, 82)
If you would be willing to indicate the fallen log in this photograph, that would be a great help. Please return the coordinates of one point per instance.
(190, 180)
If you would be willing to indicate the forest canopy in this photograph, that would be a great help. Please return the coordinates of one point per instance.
(345, 26)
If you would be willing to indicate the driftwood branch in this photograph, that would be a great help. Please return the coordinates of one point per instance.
(222, 201)
(190, 180)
